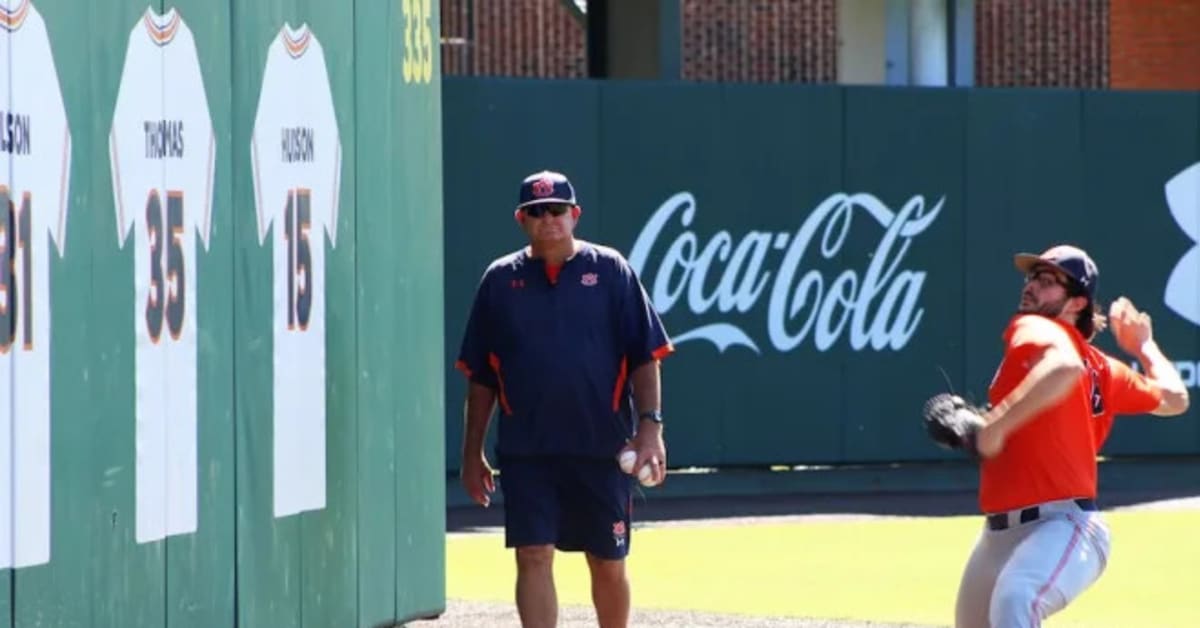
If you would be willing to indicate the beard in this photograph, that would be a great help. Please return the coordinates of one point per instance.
(1051, 309)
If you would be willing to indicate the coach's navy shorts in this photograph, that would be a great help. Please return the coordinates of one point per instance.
(574, 504)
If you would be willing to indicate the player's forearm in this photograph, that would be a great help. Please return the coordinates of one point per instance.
(647, 389)
(1162, 372)
(477, 413)
(1046, 384)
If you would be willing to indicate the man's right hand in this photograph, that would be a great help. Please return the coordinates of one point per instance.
(477, 479)
(1131, 328)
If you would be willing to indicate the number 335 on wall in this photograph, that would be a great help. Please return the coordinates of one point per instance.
(418, 41)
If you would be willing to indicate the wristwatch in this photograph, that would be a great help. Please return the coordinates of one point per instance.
(652, 415)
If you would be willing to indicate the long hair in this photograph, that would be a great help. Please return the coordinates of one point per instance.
(1090, 320)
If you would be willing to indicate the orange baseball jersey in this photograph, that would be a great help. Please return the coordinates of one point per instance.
(1129, 393)
(1053, 455)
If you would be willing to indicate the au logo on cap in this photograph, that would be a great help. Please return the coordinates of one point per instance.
(543, 187)
(546, 187)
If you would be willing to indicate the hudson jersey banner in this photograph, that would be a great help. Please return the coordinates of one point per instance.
(35, 146)
(827, 258)
(297, 158)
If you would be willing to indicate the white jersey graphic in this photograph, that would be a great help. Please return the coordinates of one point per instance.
(296, 153)
(35, 153)
(162, 149)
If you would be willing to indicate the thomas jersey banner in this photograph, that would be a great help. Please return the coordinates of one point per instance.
(163, 149)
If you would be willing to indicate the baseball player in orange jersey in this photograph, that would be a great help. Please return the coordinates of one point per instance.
(1053, 400)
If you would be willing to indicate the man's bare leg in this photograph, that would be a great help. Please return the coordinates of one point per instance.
(610, 592)
(537, 601)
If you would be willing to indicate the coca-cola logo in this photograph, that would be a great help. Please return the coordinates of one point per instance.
(876, 304)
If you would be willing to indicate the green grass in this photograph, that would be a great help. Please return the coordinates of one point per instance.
(898, 570)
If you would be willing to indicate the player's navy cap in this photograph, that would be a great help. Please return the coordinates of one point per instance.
(546, 187)
(1074, 262)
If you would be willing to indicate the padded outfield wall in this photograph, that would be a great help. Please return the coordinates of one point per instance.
(220, 297)
(827, 257)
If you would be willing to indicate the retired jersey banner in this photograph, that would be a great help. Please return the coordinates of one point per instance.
(163, 152)
(825, 259)
(297, 156)
(35, 144)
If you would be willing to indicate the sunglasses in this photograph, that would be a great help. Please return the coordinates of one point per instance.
(1046, 279)
(554, 209)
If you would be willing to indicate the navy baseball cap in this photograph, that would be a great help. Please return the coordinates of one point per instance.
(546, 187)
(1074, 262)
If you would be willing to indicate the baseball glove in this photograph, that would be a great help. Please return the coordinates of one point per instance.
(953, 423)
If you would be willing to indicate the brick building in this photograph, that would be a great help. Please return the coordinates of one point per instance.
(1140, 44)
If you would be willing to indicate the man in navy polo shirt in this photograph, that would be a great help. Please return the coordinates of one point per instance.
(563, 338)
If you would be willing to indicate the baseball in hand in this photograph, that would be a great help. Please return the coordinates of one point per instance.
(646, 475)
(626, 459)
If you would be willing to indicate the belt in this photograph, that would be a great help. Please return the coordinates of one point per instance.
(999, 521)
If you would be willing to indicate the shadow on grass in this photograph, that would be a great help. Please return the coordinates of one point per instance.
(1123, 483)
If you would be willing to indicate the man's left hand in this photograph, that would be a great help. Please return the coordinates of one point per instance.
(650, 448)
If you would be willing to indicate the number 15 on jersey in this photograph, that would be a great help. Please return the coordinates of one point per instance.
(297, 225)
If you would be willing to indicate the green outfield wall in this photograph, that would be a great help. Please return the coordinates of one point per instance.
(828, 257)
(221, 314)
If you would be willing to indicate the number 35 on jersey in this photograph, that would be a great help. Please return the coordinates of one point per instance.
(162, 150)
(296, 152)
